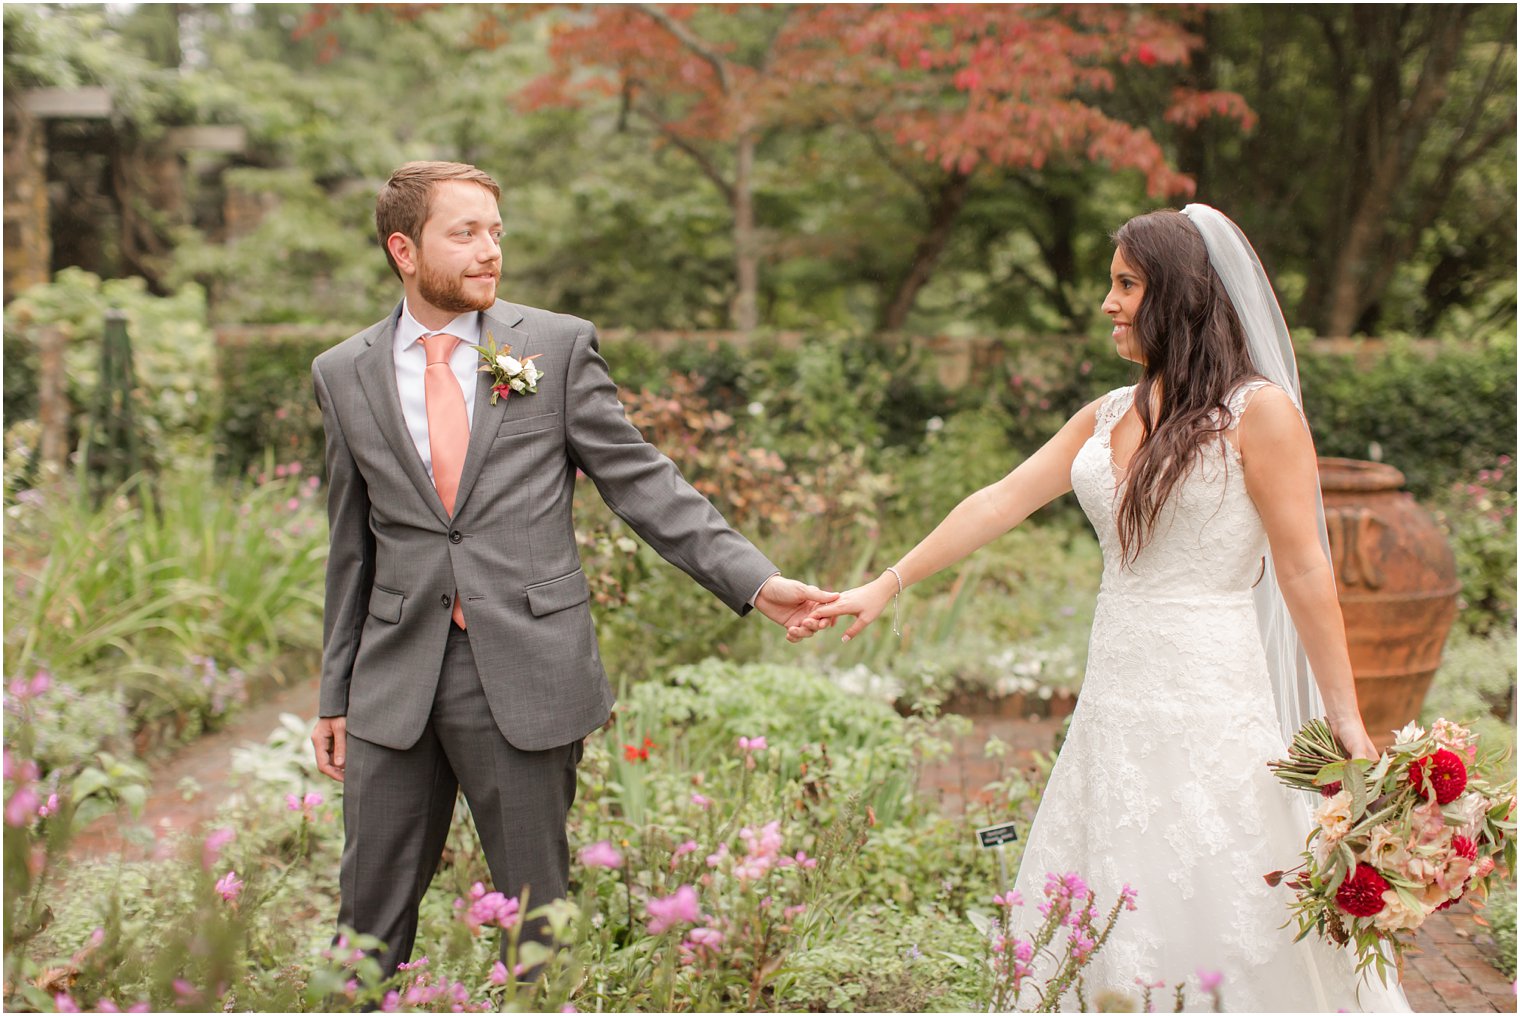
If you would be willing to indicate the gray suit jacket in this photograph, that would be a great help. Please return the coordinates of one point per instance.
(397, 558)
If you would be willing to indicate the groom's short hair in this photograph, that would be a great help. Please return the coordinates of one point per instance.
(403, 203)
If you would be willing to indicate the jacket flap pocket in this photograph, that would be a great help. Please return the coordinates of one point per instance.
(557, 594)
(385, 604)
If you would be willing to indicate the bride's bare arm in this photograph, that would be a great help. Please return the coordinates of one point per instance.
(975, 522)
(1281, 477)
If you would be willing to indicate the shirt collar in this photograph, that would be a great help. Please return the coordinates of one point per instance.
(408, 329)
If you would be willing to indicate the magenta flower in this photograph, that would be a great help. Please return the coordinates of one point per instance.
(50, 807)
(499, 973)
(1209, 980)
(211, 848)
(65, 1002)
(490, 908)
(601, 854)
(681, 851)
(748, 744)
(680, 907)
(700, 801)
(1011, 899)
(21, 806)
(1128, 894)
(229, 886)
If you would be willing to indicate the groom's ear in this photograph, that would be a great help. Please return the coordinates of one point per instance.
(403, 252)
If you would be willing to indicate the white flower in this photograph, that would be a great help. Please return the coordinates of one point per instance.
(934, 425)
(756, 408)
(1395, 916)
(1410, 732)
(509, 364)
(531, 374)
(1334, 816)
(516, 384)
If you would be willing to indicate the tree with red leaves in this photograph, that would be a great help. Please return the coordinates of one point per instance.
(951, 88)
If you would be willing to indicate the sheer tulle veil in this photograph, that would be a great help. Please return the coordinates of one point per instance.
(1271, 349)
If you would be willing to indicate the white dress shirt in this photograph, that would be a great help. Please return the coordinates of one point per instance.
(411, 363)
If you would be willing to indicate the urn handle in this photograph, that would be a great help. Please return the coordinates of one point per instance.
(1354, 538)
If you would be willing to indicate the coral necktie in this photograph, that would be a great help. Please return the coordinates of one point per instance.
(448, 425)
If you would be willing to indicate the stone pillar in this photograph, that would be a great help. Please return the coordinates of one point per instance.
(28, 249)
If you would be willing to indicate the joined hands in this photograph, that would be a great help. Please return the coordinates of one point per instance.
(794, 606)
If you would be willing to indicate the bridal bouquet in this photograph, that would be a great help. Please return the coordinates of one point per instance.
(1396, 839)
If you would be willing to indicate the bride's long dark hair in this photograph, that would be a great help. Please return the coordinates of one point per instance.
(1195, 354)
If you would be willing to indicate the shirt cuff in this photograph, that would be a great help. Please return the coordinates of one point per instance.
(761, 586)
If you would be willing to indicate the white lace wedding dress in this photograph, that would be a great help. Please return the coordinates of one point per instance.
(1162, 781)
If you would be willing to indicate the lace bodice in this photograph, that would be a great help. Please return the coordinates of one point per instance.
(1208, 539)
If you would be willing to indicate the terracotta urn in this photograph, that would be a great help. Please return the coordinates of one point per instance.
(1397, 580)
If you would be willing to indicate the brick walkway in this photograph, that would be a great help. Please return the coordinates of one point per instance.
(1449, 972)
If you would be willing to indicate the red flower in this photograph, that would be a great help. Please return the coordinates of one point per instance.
(1451, 903)
(1361, 895)
(635, 753)
(1146, 54)
(1464, 847)
(1448, 776)
(1330, 789)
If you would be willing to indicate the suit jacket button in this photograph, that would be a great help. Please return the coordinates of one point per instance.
(456, 537)
(445, 599)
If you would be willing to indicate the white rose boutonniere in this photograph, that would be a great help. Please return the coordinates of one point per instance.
(508, 373)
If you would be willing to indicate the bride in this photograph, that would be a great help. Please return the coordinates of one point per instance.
(1216, 634)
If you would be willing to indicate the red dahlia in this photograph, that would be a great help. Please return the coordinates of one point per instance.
(1448, 776)
(1464, 847)
(1361, 895)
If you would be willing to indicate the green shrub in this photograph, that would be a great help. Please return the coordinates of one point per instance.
(1479, 519)
(268, 406)
(171, 349)
(1438, 418)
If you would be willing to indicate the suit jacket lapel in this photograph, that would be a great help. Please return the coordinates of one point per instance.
(498, 323)
(377, 375)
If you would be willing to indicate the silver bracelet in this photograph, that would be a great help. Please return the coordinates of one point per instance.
(896, 602)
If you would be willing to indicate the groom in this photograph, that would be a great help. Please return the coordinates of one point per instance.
(458, 647)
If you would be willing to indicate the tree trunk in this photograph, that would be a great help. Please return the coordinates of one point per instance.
(745, 309)
(943, 214)
(1363, 246)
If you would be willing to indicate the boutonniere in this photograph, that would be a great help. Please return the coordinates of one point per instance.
(508, 373)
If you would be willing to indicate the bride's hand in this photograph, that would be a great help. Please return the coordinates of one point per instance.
(864, 603)
(1353, 735)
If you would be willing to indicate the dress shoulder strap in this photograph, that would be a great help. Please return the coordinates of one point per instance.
(1114, 405)
(1241, 396)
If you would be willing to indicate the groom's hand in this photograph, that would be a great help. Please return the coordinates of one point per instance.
(789, 602)
(330, 740)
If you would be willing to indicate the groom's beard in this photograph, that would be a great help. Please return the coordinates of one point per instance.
(447, 292)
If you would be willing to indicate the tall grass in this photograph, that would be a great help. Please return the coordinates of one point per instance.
(161, 572)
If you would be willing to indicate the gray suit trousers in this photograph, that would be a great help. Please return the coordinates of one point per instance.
(398, 804)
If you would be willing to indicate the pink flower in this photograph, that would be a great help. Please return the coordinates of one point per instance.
(306, 805)
(700, 801)
(681, 907)
(1012, 899)
(681, 851)
(21, 806)
(1209, 980)
(65, 1002)
(1128, 894)
(491, 908)
(211, 847)
(499, 973)
(752, 743)
(50, 808)
(601, 854)
(229, 886)
(716, 857)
